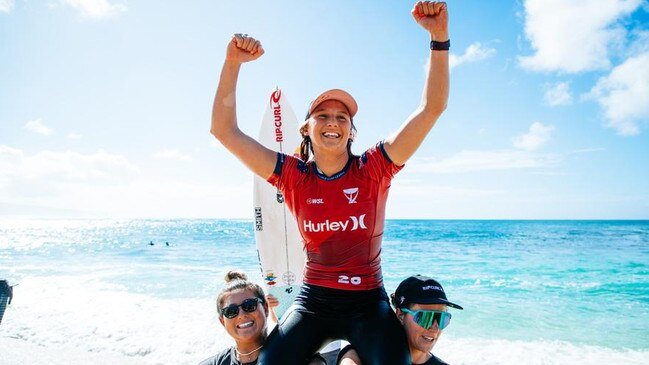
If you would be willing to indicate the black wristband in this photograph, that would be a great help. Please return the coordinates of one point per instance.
(440, 46)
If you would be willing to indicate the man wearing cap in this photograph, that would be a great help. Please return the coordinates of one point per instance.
(422, 309)
(338, 200)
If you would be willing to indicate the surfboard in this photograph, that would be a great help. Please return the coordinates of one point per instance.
(279, 244)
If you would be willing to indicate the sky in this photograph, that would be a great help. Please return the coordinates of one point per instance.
(105, 105)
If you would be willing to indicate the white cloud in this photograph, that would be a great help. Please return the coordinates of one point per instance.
(573, 36)
(173, 154)
(6, 6)
(95, 9)
(473, 53)
(46, 170)
(101, 184)
(588, 150)
(74, 135)
(538, 135)
(558, 94)
(469, 161)
(624, 94)
(37, 126)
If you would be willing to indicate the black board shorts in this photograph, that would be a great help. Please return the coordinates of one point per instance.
(320, 315)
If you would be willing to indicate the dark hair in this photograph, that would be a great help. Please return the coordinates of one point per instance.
(237, 280)
(306, 148)
(393, 300)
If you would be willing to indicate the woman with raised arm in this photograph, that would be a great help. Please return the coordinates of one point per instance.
(338, 200)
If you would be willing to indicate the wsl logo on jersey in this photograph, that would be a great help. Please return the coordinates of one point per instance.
(351, 224)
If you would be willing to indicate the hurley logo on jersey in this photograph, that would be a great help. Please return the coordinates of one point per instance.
(332, 226)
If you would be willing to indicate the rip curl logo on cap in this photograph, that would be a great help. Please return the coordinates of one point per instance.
(351, 195)
(402, 299)
(432, 287)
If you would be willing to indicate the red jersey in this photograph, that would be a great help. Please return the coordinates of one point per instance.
(340, 217)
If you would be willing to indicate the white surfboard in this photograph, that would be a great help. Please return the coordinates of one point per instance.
(279, 244)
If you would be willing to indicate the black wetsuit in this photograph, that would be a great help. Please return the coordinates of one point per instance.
(364, 318)
(434, 360)
(229, 357)
(225, 357)
(6, 293)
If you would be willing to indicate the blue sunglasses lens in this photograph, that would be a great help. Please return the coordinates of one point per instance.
(426, 319)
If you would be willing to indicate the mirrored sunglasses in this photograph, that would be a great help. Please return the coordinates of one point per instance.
(426, 319)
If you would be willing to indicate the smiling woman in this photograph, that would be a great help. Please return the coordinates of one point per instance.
(342, 234)
(243, 311)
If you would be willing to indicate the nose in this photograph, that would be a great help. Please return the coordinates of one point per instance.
(332, 122)
(434, 327)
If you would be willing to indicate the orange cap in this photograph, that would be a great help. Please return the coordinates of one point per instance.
(335, 94)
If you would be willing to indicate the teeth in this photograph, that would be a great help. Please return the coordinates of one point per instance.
(429, 339)
(245, 325)
(331, 134)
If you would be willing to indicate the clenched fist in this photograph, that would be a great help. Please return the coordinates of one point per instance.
(432, 16)
(243, 48)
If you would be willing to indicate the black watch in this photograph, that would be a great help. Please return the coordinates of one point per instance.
(440, 46)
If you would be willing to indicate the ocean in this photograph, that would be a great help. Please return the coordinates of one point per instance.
(534, 292)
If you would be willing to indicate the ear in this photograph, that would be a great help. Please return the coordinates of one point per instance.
(401, 316)
(222, 321)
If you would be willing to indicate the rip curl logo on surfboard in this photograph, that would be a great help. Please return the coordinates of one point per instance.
(277, 113)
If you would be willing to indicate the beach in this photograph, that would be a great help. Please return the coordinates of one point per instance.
(534, 292)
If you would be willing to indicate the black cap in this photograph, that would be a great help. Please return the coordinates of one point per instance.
(421, 290)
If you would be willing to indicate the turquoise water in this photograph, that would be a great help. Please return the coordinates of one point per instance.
(581, 283)
(584, 282)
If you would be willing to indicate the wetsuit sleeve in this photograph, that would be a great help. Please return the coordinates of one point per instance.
(378, 163)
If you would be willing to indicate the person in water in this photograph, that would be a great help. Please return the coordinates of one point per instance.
(243, 311)
(342, 296)
(6, 295)
(422, 309)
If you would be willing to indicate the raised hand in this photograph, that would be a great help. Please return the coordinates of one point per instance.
(272, 300)
(243, 48)
(432, 16)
